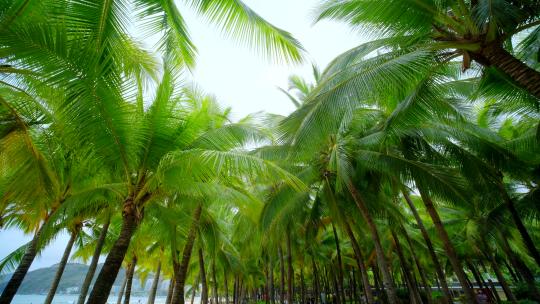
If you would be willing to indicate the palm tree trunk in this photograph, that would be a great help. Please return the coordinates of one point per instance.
(93, 264)
(271, 295)
(523, 270)
(170, 291)
(360, 261)
(438, 268)
(340, 264)
(62, 265)
(527, 240)
(491, 285)
(155, 283)
(195, 288)
(523, 75)
(316, 280)
(390, 288)
(122, 288)
(427, 288)
(129, 282)
(448, 247)
(414, 294)
(290, 271)
(509, 295)
(108, 273)
(204, 291)
(302, 287)
(215, 285)
(18, 276)
(226, 286)
(282, 282)
(181, 274)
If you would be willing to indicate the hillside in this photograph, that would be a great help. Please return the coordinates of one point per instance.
(39, 280)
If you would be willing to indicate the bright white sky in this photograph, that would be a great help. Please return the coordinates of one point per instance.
(239, 77)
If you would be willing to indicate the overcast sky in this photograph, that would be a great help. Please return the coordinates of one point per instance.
(239, 77)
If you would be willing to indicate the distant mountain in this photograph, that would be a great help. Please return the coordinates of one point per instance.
(38, 281)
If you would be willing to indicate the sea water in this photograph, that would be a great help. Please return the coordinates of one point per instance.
(72, 299)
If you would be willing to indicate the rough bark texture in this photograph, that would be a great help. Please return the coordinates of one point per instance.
(93, 264)
(108, 273)
(438, 268)
(155, 283)
(61, 266)
(389, 286)
(18, 276)
(526, 77)
(180, 275)
(129, 282)
(202, 271)
(360, 261)
(448, 247)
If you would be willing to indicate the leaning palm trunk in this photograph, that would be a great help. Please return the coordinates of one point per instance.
(129, 282)
(282, 281)
(155, 283)
(360, 261)
(170, 291)
(215, 285)
(62, 266)
(181, 273)
(448, 247)
(507, 291)
(93, 264)
(108, 273)
(390, 288)
(407, 272)
(427, 288)
(122, 288)
(526, 77)
(204, 285)
(527, 240)
(438, 268)
(18, 276)
(340, 265)
(290, 272)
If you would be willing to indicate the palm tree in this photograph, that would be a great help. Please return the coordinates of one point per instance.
(479, 31)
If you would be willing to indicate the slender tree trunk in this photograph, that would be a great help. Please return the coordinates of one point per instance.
(225, 281)
(414, 294)
(527, 78)
(215, 285)
(170, 291)
(181, 274)
(335, 285)
(509, 295)
(438, 268)
(361, 266)
(113, 262)
(377, 280)
(129, 283)
(204, 292)
(427, 288)
(195, 288)
(527, 240)
(340, 264)
(316, 279)
(282, 281)
(290, 272)
(354, 284)
(93, 264)
(390, 288)
(491, 285)
(521, 268)
(271, 292)
(18, 276)
(449, 248)
(302, 287)
(123, 287)
(62, 266)
(155, 283)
